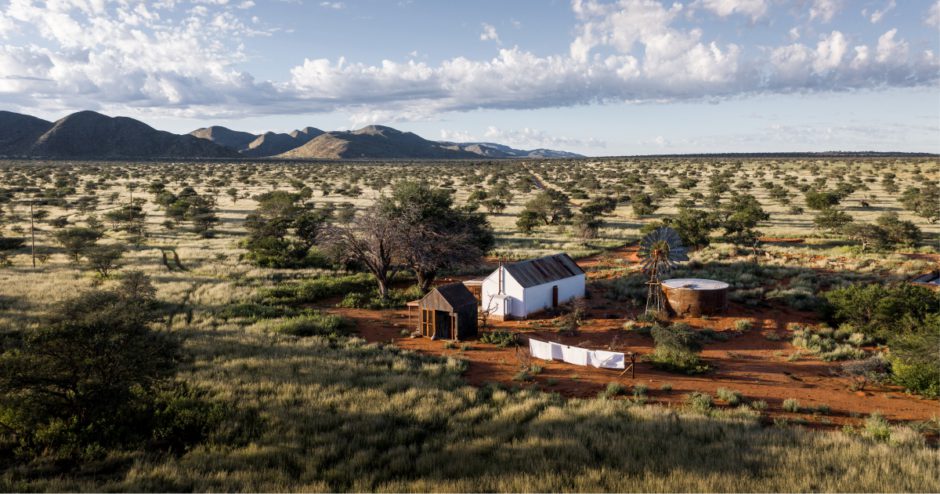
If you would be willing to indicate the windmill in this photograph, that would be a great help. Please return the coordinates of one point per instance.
(660, 251)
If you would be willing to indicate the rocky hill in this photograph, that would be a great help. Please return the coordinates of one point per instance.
(88, 134)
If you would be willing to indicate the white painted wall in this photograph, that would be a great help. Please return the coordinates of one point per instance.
(539, 297)
(519, 302)
(510, 305)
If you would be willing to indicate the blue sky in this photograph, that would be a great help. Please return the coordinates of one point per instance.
(597, 77)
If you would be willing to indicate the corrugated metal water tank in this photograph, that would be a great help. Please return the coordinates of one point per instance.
(695, 296)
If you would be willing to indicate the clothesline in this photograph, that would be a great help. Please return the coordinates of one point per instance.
(546, 350)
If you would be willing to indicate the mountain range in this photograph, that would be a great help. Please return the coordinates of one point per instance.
(88, 134)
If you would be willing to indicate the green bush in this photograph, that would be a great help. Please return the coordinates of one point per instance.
(676, 349)
(501, 339)
(881, 311)
(311, 324)
(907, 317)
(316, 289)
(96, 378)
(791, 405)
(877, 428)
(729, 396)
(699, 402)
(253, 311)
(916, 375)
(614, 389)
(396, 299)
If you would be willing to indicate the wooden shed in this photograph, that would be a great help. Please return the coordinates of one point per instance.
(448, 312)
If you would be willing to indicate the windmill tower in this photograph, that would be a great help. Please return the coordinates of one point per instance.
(660, 251)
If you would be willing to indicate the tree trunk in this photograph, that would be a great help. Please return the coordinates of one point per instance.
(425, 278)
(383, 287)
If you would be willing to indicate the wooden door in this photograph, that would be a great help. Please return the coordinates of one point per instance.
(555, 296)
(427, 322)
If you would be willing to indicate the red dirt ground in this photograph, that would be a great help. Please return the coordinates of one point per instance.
(747, 362)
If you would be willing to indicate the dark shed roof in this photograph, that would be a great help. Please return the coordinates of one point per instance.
(453, 296)
(543, 270)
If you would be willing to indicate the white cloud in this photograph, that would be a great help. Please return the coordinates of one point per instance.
(933, 15)
(824, 10)
(185, 59)
(489, 34)
(829, 52)
(333, 5)
(879, 14)
(754, 9)
(457, 136)
(889, 50)
(527, 138)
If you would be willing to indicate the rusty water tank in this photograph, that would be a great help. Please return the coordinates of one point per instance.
(695, 296)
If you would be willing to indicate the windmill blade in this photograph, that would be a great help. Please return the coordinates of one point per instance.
(661, 250)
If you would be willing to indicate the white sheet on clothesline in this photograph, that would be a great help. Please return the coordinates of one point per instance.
(574, 355)
(540, 349)
(607, 360)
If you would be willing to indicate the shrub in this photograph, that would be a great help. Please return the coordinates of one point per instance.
(676, 350)
(96, 377)
(759, 405)
(614, 389)
(914, 359)
(311, 324)
(879, 311)
(729, 396)
(501, 339)
(791, 405)
(371, 299)
(877, 427)
(253, 311)
(316, 289)
(743, 325)
(640, 390)
(699, 402)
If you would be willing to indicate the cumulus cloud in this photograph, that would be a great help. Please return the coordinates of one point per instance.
(879, 14)
(933, 15)
(183, 59)
(489, 34)
(754, 9)
(824, 10)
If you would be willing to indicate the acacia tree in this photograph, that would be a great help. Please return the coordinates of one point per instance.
(741, 215)
(282, 230)
(76, 241)
(436, 236)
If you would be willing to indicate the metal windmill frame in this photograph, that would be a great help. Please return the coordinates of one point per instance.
(660, 250)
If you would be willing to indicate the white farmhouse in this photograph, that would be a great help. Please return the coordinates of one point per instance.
(514, 291)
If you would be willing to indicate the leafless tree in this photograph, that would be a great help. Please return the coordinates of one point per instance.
(373, 240)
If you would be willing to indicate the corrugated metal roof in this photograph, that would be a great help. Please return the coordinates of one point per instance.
(543, 270)
(455, 294)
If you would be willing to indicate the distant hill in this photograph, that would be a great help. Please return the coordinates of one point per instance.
(19, 132)
(493, 150)
(225, 137)
(271, 144)
(87, 134)
(374, 141)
